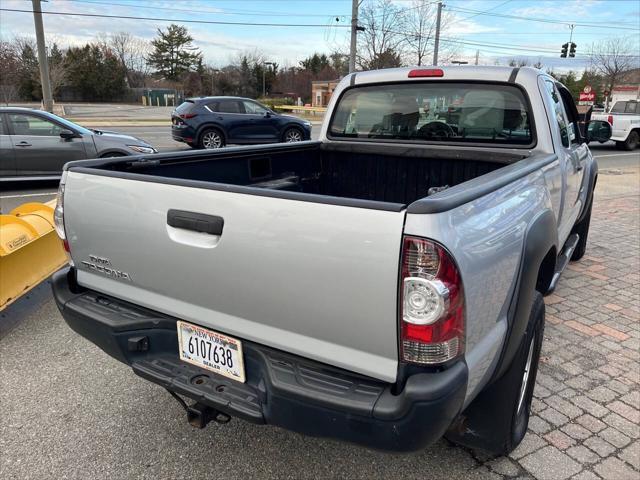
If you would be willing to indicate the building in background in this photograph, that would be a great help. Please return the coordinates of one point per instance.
(628, 87)
(321, 91)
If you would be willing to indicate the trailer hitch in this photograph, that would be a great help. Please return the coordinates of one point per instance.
(199, 415)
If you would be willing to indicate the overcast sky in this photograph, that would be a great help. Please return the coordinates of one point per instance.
(476, 22)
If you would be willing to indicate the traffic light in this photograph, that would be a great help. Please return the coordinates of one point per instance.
(572, 49)
(563, 52)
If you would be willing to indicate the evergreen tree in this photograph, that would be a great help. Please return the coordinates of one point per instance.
(94, 72)
(28, 74)
(173, 53)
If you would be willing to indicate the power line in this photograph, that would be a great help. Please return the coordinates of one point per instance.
(532, 19)
(218, 12)
(179, 20)
(480, 13)
(523, 48)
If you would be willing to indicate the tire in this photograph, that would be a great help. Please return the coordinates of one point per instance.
(582, 229)
(497, 420)
(211, 138)
(292, 135)
(631, 142)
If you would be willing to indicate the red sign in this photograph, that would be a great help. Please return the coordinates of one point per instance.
(587, 97)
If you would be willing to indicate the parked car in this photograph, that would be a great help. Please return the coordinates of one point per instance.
(624, 118)
(213, 122)
(35, 144)
(383, 285)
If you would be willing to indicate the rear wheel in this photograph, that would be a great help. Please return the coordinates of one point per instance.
(211, 138)
(497, 420)
(292, 135)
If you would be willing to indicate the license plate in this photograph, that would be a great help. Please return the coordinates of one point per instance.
(211, 350)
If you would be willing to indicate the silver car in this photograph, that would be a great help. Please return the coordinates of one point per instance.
(35, 144)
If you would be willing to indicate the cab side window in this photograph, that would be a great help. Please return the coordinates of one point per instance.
(560, 114)
(254, 108)
(212, 107)
(3, 128)
(32, 125)
(230, 106)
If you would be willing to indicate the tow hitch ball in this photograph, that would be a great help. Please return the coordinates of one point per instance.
(199, 415)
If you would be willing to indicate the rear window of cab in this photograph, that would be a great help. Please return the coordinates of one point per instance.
(433, 112)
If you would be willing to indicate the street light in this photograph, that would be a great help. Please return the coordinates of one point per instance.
(264, 82)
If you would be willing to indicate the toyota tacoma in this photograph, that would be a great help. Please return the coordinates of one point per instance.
(383, 285)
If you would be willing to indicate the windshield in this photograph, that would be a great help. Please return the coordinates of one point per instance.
(73, 126)
(434, 112)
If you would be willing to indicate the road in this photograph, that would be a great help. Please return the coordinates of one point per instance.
(70, 411)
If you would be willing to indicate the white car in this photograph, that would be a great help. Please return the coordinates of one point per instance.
(624, 118)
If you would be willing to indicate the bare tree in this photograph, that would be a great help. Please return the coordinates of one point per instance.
(10, 73)
(381, 44)
(132, 52)
(519, 62)
(419, 30)
(612, 57)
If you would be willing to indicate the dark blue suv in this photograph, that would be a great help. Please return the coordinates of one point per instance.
(212, 122)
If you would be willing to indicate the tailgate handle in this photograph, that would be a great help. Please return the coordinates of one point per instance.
(198, 222)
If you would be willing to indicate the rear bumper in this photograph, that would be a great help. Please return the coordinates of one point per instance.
(281, 389)
(185, 134)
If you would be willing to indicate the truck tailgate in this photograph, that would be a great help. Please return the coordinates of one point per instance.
(313, 279)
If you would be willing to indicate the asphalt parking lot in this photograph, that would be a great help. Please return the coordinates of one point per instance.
(70, 411)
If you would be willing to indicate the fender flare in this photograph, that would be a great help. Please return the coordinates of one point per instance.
(540, 237)
(593, 179)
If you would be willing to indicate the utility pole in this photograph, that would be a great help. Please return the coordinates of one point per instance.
(437, 39)
(47, 100)
(354, 36)
(477, 56)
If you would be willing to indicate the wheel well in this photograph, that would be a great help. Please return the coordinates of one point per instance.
(211, 126)
(113, 153)
(546, 271)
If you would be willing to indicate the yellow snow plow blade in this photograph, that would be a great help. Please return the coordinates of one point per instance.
(30, 250)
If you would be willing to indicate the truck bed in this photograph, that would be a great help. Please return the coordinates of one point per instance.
(392, 174)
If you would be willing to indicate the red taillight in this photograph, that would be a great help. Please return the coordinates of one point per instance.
(426, 72)
(184, 116)
(432, 316)
(65, 244)
(610, 120)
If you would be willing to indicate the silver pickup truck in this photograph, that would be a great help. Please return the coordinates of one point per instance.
(383, 285)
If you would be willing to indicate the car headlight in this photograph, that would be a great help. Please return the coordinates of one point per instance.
(307, 124)
(141, 149)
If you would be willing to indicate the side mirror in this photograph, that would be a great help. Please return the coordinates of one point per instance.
(599, 131)
(67, 134)
(268, 114)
